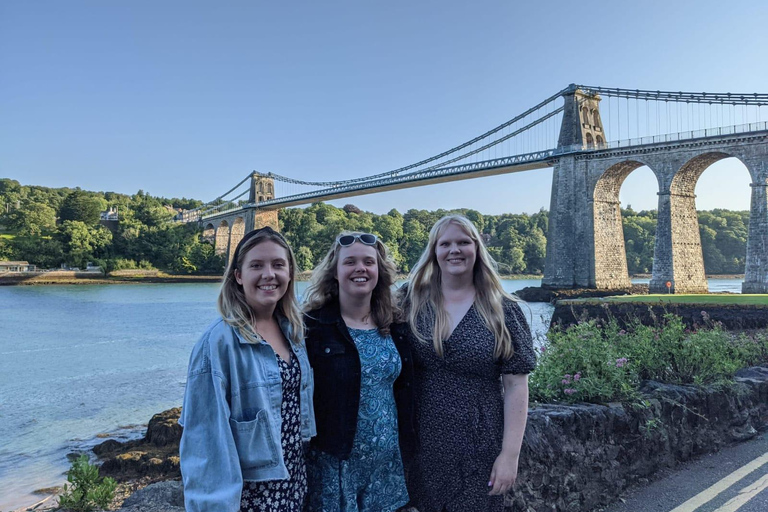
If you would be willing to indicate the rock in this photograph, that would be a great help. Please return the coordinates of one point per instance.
(155, 455)
(159, 497)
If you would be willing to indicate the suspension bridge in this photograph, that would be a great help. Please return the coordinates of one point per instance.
(593, 138)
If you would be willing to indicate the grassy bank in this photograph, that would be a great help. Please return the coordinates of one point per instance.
(704, 299)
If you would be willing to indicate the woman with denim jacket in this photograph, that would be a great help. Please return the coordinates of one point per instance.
(363, 373)
(248, 402)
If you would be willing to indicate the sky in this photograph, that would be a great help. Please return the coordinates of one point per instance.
(185, 98)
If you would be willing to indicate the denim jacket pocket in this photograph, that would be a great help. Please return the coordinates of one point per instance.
(254, 442)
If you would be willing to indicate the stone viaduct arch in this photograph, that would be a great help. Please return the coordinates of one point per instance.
(610, 270)
(226, 230)
(222, 238)
(585, 246)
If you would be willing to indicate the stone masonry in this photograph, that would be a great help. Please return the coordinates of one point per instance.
(585, 243)
(226, 231)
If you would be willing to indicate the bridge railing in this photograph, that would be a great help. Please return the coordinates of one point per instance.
(686, 135)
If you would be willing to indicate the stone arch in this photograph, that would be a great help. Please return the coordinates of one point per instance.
(590, 140)
(585, 116)
(235, 235)
(596, 117)
(270, 189)
(209, 234)
(610, 257)
(599, 140)
(688, 275)
(222, 238)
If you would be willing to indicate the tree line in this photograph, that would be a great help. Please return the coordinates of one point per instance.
(51, 226)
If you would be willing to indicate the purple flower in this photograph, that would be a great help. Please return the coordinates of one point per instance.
(620, 362)
(577, 377)
(569, 391)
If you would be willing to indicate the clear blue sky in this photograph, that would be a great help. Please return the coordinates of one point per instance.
(184, 98)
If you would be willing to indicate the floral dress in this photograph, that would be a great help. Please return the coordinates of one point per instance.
(283, 495)
(372, 478)
(460, 412)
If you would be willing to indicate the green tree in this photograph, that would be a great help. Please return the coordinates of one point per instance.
(32, 219)
(82, 207)
(83, 243)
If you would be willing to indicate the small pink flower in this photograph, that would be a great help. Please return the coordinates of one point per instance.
(620, 362)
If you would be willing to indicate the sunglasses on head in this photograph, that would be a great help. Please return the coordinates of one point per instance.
(364, 238)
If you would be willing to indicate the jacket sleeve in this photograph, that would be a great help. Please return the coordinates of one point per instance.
(210, 466)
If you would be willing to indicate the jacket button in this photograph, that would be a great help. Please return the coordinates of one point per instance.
(327, 350)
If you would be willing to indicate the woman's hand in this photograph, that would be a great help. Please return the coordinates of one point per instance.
(503, 474)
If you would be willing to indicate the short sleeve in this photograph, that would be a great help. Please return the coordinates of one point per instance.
(524, 358)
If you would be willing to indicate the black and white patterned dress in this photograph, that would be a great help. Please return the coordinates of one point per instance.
(283, 495)
(460, 412)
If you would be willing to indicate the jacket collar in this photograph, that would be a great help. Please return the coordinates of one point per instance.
(328, 314)
(282, 321)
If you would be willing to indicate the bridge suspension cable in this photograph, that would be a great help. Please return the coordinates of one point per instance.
(732, 98)
(395, 172)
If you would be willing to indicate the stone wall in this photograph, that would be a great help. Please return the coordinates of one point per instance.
(582, 457)
(575, 457)
(741, 316)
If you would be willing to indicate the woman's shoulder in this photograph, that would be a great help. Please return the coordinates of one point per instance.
(217, 336)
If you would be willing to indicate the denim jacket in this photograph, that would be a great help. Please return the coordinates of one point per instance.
(231, 417)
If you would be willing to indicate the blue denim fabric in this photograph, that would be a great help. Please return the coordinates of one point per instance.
(231, 417)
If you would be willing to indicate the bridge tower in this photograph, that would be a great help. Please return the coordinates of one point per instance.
(573, 243)
(262, 189)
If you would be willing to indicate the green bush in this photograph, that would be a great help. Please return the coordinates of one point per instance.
(86, 490)
(602, 362)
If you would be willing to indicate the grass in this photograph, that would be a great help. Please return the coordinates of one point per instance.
(7, 236)
(713, 298)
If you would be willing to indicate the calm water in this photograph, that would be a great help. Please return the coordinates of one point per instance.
(76, 361)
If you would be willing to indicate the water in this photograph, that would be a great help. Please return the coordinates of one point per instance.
(77, 361)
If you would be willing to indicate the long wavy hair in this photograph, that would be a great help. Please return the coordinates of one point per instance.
(323, 288)
(424, 295)
(232, 304)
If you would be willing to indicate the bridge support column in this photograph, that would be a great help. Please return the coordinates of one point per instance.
(558, 263)
(259, 219)
(677, 256)
(610, 256)
(756, 273)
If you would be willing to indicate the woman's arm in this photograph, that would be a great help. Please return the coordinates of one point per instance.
(210, 466)
(504, 472)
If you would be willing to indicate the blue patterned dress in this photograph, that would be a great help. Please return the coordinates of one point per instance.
(372, 478)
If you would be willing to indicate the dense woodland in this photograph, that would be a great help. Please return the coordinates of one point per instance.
(48, 227)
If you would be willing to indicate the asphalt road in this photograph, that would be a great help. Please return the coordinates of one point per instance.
(735, 478)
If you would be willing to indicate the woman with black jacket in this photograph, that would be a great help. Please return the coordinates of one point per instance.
(363, 377)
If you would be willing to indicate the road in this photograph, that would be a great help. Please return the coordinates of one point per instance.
(735, 478)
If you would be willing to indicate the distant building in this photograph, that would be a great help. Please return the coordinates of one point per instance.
(110, 214)
(16, 266)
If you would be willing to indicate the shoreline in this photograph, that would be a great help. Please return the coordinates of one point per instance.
(86, 278)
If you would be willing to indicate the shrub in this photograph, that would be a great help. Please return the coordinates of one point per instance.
(601, 362)
(86, 490)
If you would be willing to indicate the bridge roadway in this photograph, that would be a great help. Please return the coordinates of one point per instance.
(735, 478)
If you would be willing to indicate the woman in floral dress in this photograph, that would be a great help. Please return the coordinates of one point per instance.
(363, 373)
(472, 352)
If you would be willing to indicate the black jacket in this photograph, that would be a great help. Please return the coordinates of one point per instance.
(336, 365)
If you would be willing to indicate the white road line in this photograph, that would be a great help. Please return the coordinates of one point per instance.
(745, 495)
(710, 493)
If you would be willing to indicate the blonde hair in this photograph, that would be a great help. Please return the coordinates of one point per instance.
(232, 304)
(424, 295)
(323, 288)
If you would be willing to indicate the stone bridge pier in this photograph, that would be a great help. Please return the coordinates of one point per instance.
(585, 243)
(225, 230)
